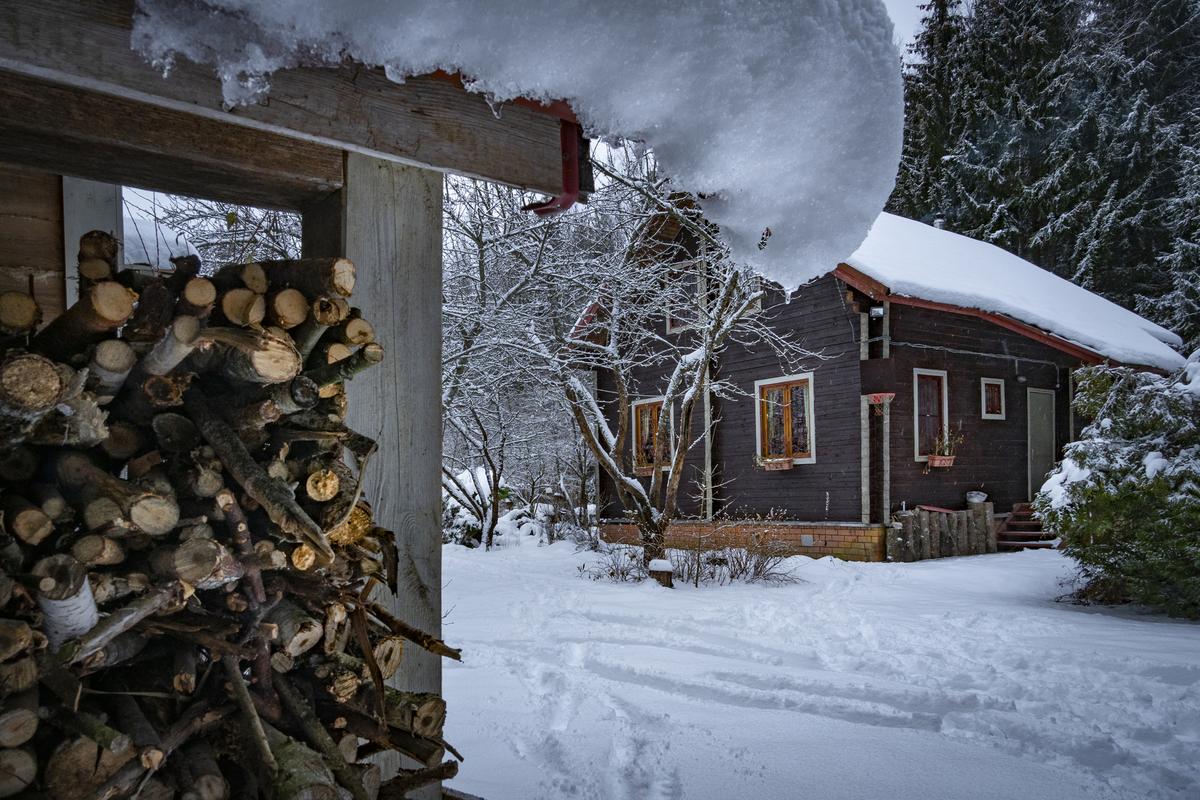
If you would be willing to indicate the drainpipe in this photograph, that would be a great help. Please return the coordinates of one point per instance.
(707, 501)
(885, 456)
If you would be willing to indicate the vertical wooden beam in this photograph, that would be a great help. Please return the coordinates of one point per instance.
(885, 463)
(87, 206)
(387, 219)
(886, 349)
(31, 233)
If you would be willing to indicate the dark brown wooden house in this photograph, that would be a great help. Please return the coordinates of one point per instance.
(929, 344)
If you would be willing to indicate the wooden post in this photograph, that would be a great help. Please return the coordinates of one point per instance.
(387, 219)
(989, 529)
(922, 550)
(885, 453)
(87, 206)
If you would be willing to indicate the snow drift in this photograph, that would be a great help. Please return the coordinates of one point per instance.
(786, 115)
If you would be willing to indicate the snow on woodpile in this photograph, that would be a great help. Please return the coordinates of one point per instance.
(918, 260)
(787, 114)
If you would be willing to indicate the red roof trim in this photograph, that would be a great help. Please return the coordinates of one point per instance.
(879, 291)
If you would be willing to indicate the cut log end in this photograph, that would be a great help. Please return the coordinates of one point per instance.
(243, 306)
(154, 515)
(112, 302)
(19, 313)
(30, 383)
(322, 485)
(287, 308)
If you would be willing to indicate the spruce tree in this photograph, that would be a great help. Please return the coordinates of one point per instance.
(931, 73)
(1179, 307)
(1135, 67)
(1015, 101)
(1124, 499)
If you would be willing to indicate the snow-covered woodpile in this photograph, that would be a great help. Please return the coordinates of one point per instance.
(189, 594)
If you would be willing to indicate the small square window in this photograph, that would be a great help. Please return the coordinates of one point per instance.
(991, 398)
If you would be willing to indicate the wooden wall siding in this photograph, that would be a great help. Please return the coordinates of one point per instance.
(831, 488)
(31, 236)
(992, 457)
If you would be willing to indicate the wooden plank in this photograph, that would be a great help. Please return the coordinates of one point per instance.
(110, 139)
(426, 121)
(389, 223)
(31, 233)
(87, 206)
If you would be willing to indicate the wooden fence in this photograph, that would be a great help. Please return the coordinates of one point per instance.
(921, 533)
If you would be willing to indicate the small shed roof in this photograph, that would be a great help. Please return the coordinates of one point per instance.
(912, 259)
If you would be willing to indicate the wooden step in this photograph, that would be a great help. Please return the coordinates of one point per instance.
(1026, 536)
(1019, 507)
(1025, 524)
(1008, 544)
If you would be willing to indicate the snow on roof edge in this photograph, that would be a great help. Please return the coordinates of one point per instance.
(737, 101)
(917, 260)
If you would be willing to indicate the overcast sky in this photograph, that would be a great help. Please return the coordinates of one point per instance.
(905, 16)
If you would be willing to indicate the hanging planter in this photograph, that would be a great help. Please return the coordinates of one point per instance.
(775, 464)
(941, 461)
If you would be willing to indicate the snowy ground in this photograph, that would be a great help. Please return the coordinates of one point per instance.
(957, 678)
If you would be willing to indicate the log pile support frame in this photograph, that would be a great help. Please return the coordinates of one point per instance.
(387, 219)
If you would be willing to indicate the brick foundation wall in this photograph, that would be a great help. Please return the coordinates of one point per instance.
(851, 541)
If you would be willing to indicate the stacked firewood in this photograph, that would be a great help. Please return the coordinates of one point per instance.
(190, 577)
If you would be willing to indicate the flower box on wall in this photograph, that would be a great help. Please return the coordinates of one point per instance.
(775, 464)
(941, 461)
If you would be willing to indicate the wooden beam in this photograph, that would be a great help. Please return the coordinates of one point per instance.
(388, 220)
(71, 131)
(426, 121)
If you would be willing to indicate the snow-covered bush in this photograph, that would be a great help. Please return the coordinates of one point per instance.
(762, 562)
(1126, 498)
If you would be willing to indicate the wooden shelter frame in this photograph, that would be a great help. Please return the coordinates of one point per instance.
(358, 156)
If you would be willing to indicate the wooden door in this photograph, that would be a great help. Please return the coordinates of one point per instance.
(1042, 452)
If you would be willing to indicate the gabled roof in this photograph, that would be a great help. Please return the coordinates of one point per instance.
(909, 259)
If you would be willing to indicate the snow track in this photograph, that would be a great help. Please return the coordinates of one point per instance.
(952, 678)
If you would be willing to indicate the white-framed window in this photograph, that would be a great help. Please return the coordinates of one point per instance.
(783, 416)
(931, 413)
(648, 451)
(991, 398)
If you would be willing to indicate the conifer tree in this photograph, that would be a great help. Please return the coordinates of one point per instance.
(932, 71)
(1135, 73)
(1179, 307)
(1014, 100)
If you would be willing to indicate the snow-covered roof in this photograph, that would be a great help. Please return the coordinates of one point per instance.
(784, 115)
(918, 260)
